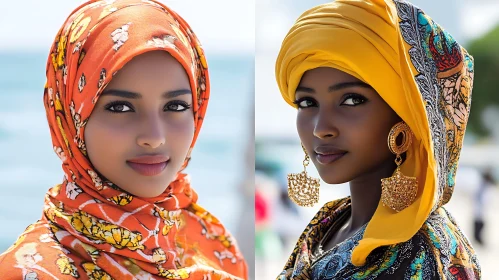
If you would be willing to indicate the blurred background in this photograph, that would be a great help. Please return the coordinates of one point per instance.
(222, 161)
(475, 203)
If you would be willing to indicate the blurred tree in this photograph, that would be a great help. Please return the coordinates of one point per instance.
(485, 51)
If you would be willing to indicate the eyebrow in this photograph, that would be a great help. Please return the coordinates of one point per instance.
(336, 87)
(134, 95)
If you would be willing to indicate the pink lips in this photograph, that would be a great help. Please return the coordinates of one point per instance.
(328, 154)
(149, 165)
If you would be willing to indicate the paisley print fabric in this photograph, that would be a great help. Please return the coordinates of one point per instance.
(445, 79)
(90, 228)
(439, 250)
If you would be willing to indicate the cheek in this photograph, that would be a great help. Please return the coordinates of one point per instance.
(101, 130)
(305, 125)
(373, 132)
(181, 130)
(94, 136)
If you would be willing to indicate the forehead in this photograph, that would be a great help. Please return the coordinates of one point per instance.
(156, 68)
(150, 63)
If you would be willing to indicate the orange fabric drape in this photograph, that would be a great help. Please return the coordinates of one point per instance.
(91, 228)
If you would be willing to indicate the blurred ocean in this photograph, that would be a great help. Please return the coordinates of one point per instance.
(29, 167)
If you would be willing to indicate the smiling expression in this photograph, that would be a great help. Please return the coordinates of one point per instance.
(142, 126)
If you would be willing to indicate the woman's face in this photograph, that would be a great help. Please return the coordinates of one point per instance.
(141, 128)
(343, 124)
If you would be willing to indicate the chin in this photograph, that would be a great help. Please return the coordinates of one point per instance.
(334, 177)
(333, 181)
(146, 189)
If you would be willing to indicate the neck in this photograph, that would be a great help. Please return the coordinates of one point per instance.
(366, 193)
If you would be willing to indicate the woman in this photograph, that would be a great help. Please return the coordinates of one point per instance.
(362, 72)
(126, 93)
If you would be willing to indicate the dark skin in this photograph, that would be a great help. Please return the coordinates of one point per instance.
(342, 118)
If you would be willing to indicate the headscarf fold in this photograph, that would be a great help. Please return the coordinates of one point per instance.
(421, 72)
(90, 226)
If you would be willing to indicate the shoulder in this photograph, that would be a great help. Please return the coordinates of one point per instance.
(36, 255)
(323, 219)
(331, 210)
(326, 215)
(337, 204)
(439, 250)
(454, 255)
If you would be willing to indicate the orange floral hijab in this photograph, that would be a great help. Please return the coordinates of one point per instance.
(91, 229)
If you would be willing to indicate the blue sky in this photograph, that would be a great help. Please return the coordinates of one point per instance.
(221, 25)
(224, 25)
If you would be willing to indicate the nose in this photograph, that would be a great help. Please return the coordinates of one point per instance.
(325, 126)
(152, 135)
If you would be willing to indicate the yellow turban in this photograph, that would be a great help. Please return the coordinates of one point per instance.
(421, 72)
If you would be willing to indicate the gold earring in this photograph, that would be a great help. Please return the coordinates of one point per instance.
(399, 191)
(303, 189)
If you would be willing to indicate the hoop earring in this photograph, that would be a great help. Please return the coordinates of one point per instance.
(399, 191)
(303, 189)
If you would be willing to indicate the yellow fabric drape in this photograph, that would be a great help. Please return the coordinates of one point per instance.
(362, 38)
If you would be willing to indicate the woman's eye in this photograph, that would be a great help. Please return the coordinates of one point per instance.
(353, 101)
(177, 106)
(304, 103)
(119, 108)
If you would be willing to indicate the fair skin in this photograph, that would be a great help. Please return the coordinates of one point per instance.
(339, 114)
(145, 110)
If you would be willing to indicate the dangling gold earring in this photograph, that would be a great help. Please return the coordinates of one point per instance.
(303, 189)
(399, 191)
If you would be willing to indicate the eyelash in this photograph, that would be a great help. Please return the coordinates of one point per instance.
(348, 96)
(116, 103)
(354, 95)
(300, 100)
(177, 103)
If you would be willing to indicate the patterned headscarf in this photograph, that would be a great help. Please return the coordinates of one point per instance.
(90, 226)
(421, 72)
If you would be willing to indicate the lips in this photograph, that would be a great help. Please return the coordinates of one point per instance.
(328, 154)
(149, 165)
